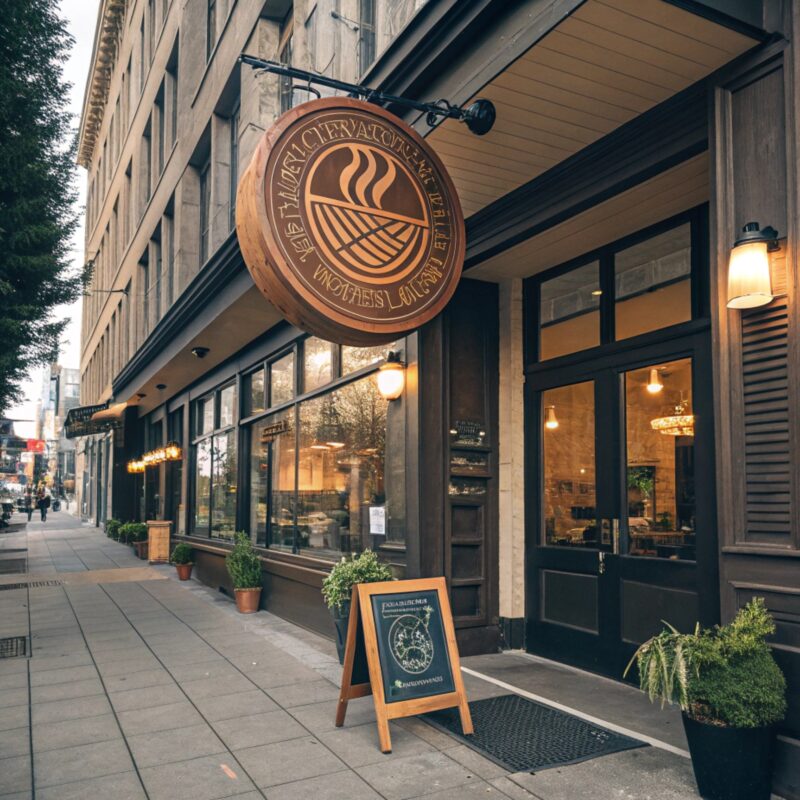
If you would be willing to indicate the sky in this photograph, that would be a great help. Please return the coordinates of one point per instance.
(81, 17)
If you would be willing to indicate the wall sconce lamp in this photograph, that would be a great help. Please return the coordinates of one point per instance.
(550, 419)
(135, 466)
(173, 452)
(654, 385)
(749, 284)
(391, 377)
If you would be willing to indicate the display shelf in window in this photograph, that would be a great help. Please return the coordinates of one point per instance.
(466, 487)
(469, 463)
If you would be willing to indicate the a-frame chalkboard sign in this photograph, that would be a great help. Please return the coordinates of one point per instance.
(401, 648)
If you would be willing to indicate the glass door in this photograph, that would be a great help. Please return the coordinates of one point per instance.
(622, 505)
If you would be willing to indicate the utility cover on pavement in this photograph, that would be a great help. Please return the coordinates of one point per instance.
(521, 735)
(13, 646)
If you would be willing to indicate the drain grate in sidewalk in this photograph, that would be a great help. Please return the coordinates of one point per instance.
(14, 647)
(10, 566)
(30, 585)
(523, 736)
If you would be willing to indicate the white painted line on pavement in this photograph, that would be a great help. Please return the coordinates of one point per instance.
(587, 717)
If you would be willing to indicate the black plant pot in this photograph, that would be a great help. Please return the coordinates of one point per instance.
(730, 763)
(341, 617)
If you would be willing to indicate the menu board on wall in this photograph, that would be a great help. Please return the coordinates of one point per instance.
(404, 631)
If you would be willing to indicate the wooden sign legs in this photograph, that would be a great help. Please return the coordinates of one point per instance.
(363, 645)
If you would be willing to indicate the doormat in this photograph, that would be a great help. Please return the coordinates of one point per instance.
(521, 735)
(14, 647)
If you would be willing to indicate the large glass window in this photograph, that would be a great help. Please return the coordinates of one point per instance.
(202, 487)
(659, 428)
(254, 392)
(570, 497)
(569, 312)
(223, 485)
(641, 284)
(317, 363)
(341, 494)
(652, 283)
(355, 358)
(215, 478)
(281, 380)
(272, 481)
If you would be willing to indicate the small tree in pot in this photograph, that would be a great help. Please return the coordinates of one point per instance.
(731, 693)
(337, 589)
(244, 567)
(137, 536)
(182, 559)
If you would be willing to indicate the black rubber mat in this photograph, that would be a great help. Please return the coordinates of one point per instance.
(521, 735)
(10, 566)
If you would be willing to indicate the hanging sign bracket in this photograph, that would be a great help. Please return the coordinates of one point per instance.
(479, 116)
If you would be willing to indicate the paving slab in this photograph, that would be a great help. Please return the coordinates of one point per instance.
(338, 786)
(258, 729)
(207, 778)
(121, 786)
(55, 735)
(15, 774)
(68, 764)
(181, 744)
(284, 762)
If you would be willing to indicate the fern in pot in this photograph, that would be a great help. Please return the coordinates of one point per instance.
(337, 589)
(244, 567)
(731, 694)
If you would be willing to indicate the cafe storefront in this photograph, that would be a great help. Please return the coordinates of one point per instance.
(589, 440)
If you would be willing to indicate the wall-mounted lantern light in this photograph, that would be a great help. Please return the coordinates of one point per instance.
(654, 385)
(749, 284)
(550, 419)
(391, 377)
(135, 466)
(173, 451)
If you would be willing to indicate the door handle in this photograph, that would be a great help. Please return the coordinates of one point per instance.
(601, 562)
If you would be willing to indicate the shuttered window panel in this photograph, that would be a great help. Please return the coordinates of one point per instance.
(766, 423)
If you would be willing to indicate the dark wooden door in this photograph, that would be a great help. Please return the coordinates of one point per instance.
(620, 509)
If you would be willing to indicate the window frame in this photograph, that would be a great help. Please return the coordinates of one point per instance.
(696, 218)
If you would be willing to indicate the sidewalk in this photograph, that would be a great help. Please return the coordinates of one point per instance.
(143, 687)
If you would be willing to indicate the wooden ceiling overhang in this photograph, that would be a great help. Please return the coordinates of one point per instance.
(601, 67)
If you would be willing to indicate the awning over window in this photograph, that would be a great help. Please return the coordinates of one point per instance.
(87, 420)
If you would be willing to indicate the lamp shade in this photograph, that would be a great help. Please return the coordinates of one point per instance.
(654, 385)
(550, 418)
(391, 377)
(749, 282)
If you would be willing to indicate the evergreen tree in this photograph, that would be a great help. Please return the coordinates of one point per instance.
(37, 189)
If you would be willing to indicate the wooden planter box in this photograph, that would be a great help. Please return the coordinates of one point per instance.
(158, 533)
(141, 548)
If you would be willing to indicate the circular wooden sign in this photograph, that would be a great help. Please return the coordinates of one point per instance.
(349, 223)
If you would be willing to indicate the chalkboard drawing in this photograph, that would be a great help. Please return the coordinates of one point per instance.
(410, 642)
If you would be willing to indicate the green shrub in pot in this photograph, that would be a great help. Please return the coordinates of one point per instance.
(731, 692)
(112, 528)
(337, 588)
(181, 554)
(244, 567)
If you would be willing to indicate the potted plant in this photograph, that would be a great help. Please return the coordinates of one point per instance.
(112, 528)
(123, 532)
(139, 539)
(182, 559)
(731, 693)
(337, 589)
(244, 567)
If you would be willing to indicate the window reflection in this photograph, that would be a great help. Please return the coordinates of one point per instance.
(272, 481)
(254, 392)
(659, 427)
(568, 452)
(202, 500)
(341, 495)
(569, 312)
(652, 283)
(227, 406)
(223, 486)
(355, 358)
(281, 380)
(317, 363)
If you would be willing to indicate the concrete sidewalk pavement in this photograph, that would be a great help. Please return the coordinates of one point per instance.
(150, 688)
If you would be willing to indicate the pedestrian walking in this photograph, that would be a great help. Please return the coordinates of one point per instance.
(43, 502)
(29, 505)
